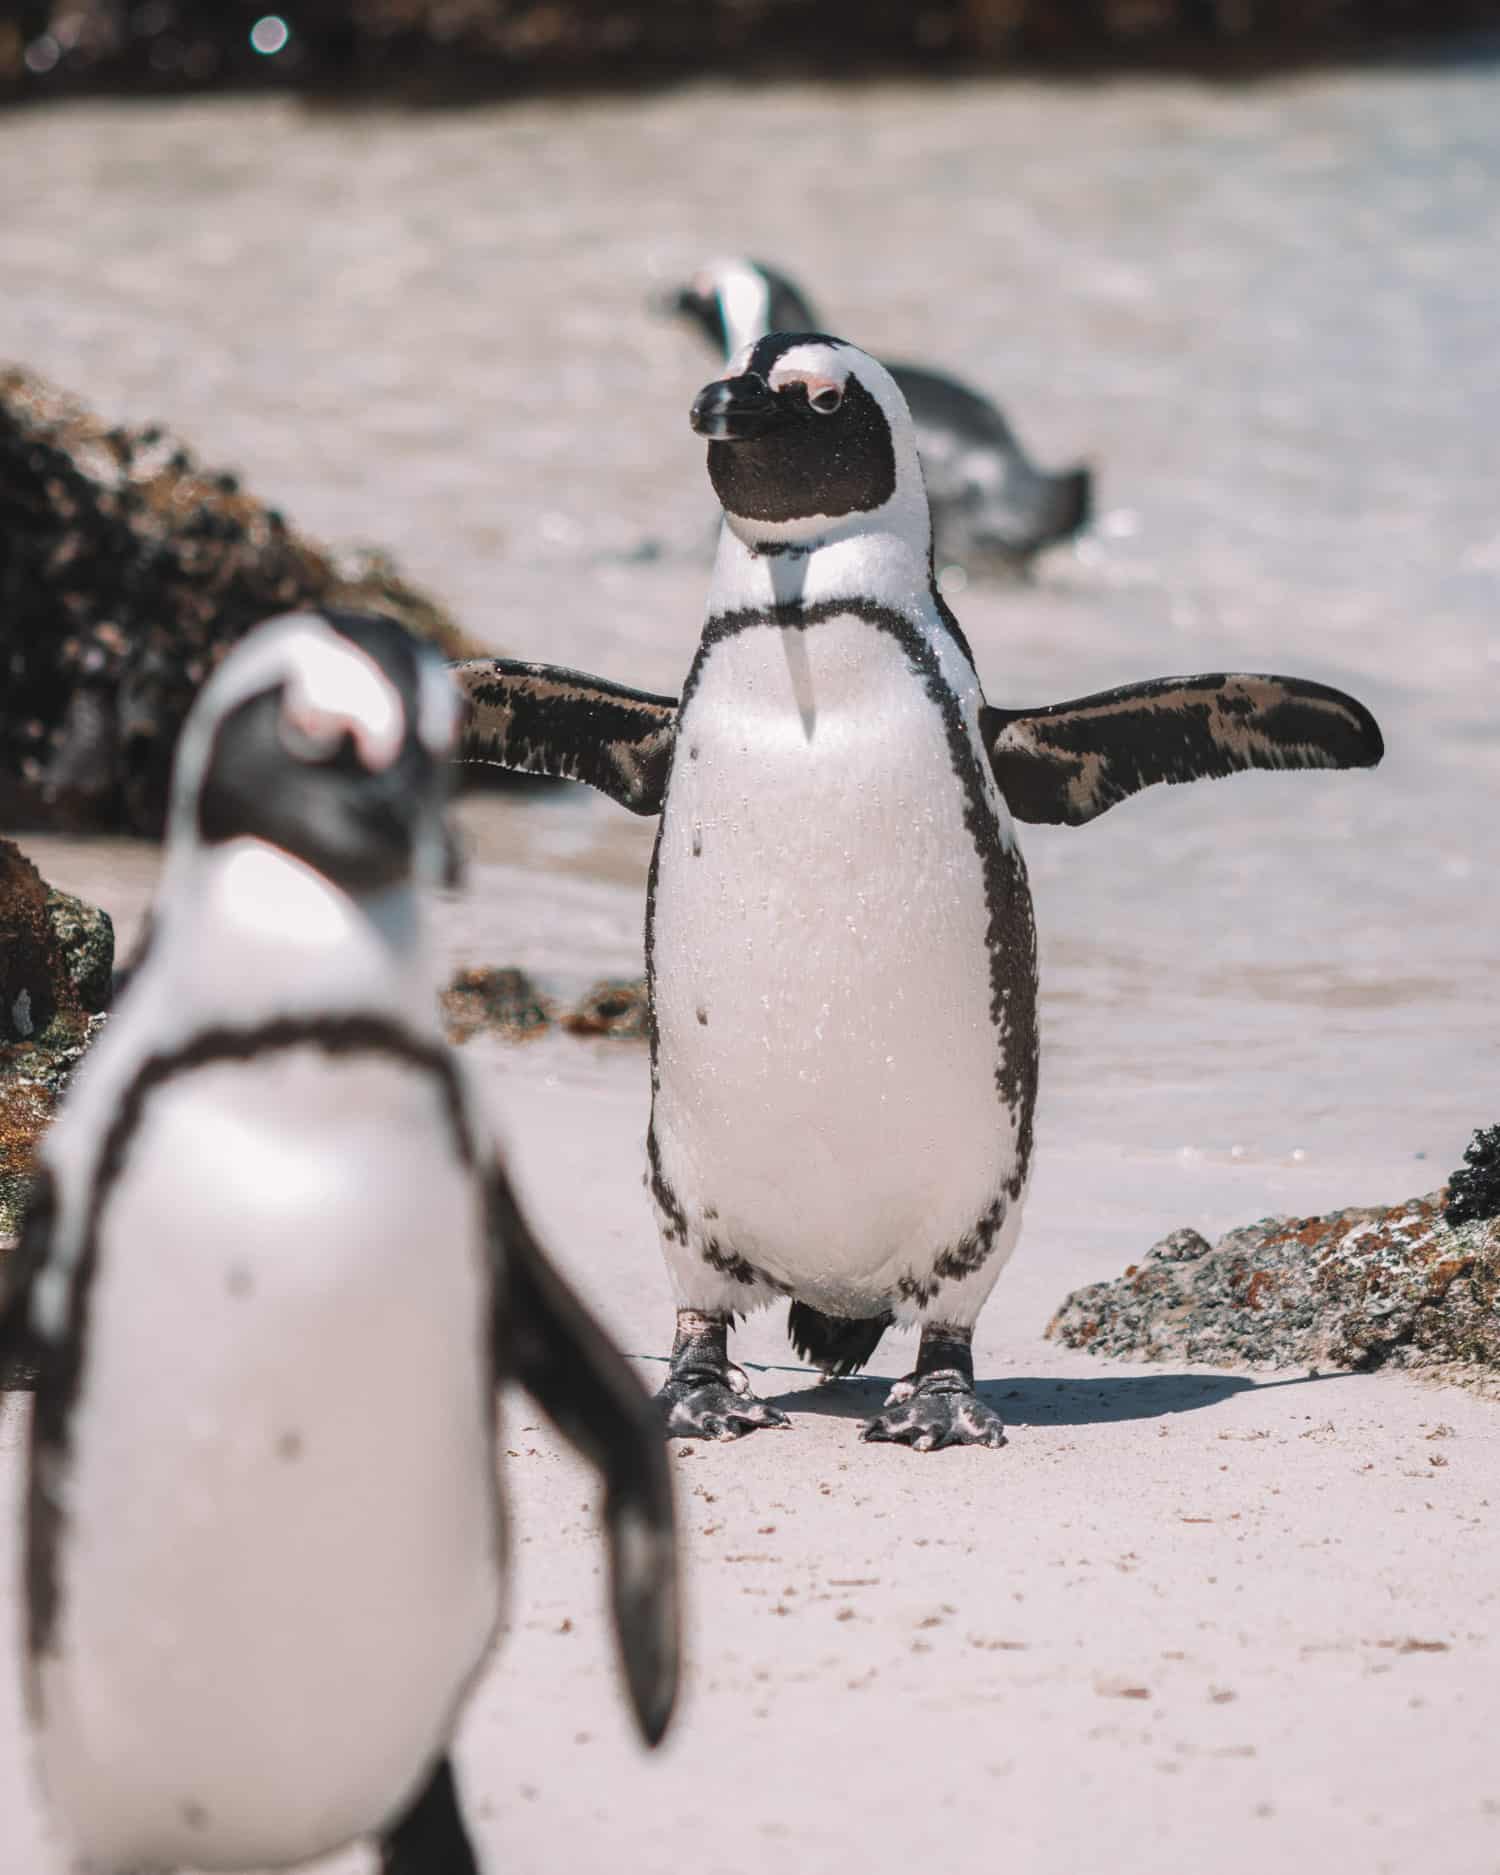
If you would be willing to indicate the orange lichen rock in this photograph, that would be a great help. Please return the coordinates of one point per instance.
(1393, 1285)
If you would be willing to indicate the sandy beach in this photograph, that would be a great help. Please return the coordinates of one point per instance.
(1184, 1621)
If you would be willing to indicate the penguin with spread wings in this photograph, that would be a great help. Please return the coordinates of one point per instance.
(840, 951)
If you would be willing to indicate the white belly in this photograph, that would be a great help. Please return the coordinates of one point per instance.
(828, 1106)
(279, 1565)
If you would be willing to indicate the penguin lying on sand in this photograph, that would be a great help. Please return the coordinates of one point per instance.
(990, 503)
(839, 940)
(271, 1275)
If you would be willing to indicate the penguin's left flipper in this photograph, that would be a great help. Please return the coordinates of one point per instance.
(20, 1356)
(1068, 762)
(549, 1342)
(545, 720)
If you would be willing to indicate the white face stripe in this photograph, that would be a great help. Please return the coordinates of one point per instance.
(744, 300)
(818, 367)
(333, 688)
(320, 667)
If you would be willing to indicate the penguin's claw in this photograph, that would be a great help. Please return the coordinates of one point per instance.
(934, 1411)
(714, 1409)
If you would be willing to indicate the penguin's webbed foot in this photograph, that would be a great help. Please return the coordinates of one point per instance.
(704, 1406)
(936, 1410)
(705, 1396)
(936, 1405)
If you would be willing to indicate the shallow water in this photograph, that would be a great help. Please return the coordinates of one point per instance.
(1266, 316)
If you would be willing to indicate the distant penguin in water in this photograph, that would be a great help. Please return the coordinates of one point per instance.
(990, 504)
(272, 1273)
(839, 940)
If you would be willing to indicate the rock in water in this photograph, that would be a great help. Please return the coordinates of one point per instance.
(55, 960)
(503, 1002)
(126, 572)
(1388, 1286)
(1474, 1189)
(616, 1008)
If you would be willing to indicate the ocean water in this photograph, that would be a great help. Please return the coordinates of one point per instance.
(1266, 316)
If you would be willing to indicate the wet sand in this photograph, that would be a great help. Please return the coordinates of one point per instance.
(1185, 1621)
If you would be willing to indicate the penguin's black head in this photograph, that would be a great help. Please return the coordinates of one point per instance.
(735, 302)
(804, 429)
(327, 735)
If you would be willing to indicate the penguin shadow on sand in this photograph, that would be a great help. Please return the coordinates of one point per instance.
(1031, 1401)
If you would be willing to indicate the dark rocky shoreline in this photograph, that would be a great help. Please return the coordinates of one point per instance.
(127, 569)
(436, 51)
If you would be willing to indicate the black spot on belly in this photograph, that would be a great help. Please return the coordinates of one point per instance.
(729, 1263)
(970, 1253)
(702, 1017)
(194, 1815)
(289, 1447)
(238, 1280)
(697, 843)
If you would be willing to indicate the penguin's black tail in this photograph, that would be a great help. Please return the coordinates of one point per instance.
(837, 1345)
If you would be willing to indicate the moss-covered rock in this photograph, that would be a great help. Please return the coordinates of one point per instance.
(1392, 1285)
(503, 1002)
(56, 955)
(127, 569)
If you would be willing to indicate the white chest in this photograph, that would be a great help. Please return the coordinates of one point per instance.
(827, 1053)
(280, 1555)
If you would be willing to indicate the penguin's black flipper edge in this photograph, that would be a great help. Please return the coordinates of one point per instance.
(545, 720)
(19, 1354)
(548, 1342)
(1066, 763)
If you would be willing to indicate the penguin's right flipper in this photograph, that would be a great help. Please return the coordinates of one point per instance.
(19, 1353)
(545, 720)
(1065, 763)
(429, 1837)
(548, 1341)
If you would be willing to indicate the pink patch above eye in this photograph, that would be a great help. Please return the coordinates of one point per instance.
(816, 385)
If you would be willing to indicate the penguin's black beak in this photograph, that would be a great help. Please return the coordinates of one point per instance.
(734, 410)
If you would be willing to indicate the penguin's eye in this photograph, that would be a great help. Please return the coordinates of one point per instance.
(825, 402)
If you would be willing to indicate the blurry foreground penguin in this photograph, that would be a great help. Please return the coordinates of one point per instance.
(839, 939)
(271, 1276)
(990, 503)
